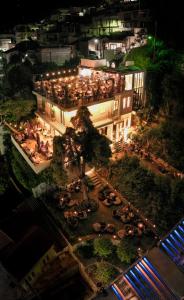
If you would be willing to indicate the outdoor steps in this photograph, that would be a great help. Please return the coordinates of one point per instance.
(96, 181)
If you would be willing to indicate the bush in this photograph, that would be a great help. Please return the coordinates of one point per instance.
(103, 247)
(24, 174)
(105, 273)
(126, 250)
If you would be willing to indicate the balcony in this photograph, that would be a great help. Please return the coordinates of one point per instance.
(74, 91)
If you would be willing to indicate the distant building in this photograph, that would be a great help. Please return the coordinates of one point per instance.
(33, 52)
(25, 32)
(56, 55)
(6, 42)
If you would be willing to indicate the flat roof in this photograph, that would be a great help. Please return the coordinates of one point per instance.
(167, 269)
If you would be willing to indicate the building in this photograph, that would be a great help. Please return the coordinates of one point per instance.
(27, 257)
(6, 41)
(108, 47)
(115, 20)
(25, 32)
(57, 55)
(159, 274)
(108, 94)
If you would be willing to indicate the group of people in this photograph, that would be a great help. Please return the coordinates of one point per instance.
(33, 140)
(71, 90)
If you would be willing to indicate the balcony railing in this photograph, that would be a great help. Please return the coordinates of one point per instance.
(67, 103)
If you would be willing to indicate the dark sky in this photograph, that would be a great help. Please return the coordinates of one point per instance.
(169, 14)
(21, 11)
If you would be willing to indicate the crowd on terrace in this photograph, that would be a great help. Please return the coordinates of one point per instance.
(73, 90)
(35, 140)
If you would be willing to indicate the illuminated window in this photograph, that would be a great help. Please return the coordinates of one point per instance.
(138, 80)
(113, 46)
(128, 101)
(124, 102)
(115, 105)
(128, 82)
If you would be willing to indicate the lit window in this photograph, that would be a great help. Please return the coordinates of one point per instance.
(115, 106)
(128, 102)
(138, 80)
(128, 82)
(113, 46)
(124, 102)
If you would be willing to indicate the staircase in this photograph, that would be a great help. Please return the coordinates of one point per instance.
(96, 181)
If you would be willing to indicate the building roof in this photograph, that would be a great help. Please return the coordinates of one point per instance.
(25, 46)
(27, 252)
(172, 276)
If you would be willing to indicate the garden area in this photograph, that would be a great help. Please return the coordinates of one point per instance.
(82, 219)
(159, 197)
(164, 141)
(105, 258)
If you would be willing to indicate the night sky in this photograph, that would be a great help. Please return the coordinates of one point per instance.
(22, 11)
(169, 14)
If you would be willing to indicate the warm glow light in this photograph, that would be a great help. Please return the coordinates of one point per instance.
(85, 72)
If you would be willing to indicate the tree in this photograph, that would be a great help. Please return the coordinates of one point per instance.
(173, 91)
(95, 147)
(126, 250)
(58, 171)
(103, 247)
(80, 145)
(16, 110)
(105, 273)
(20, 79)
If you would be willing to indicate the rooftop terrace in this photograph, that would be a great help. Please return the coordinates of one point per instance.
(87, 87)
